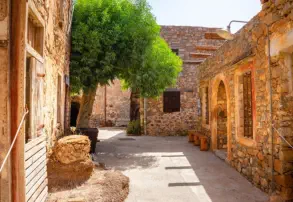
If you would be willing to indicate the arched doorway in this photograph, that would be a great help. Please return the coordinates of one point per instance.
(222, 139)
(74, 113)
(221, 120)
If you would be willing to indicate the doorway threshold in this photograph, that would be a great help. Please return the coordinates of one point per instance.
(222, 154)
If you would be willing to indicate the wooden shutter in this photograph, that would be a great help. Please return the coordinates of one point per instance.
(247, 102)
(171, 101)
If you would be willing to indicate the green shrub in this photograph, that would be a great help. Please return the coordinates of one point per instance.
(134, 128)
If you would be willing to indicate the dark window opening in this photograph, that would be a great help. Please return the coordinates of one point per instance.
(28, 95)
(171, 100)
(207, 110)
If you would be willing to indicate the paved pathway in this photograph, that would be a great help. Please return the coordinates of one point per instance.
(169, 169)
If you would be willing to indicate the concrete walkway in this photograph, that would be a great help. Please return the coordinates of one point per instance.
(169, 169)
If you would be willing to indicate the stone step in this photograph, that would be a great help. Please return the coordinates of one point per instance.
(222, 154)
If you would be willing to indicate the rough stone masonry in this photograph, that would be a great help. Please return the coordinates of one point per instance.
(193, 45)
(245, 57)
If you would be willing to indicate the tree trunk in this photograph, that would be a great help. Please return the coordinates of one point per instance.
(86, 109)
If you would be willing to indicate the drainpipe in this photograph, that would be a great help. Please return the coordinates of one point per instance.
(145, 115)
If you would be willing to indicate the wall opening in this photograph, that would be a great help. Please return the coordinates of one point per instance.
(245, 105)
(171, 101)
(28, 99)
(205, 105)
(222, 117)
(75, 106)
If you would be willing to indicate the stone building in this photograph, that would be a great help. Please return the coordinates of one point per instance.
(34, 61)
(175, 111)
(234, 92)
(193, 45)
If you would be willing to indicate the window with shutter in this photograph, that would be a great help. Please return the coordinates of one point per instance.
(244, 105)
(171, 101)
(34, 97)
(35, 73)
(247, 105)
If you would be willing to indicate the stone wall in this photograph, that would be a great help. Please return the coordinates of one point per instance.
(57, 56)
(194, 44)
(53, 55)
(252, 157)
(117, 106)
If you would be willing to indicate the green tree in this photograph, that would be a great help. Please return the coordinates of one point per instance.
(159, 70)
(118, 39)
(108, 37)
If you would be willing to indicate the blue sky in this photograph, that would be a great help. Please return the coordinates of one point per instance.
(208, 13)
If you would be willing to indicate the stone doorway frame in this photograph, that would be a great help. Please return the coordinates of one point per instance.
(214, 121)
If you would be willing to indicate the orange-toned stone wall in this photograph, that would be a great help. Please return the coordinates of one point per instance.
(253, 157)
(117, 106)
(194, 45)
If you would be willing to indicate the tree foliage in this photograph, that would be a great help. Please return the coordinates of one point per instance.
(158, 71)
(119, 39)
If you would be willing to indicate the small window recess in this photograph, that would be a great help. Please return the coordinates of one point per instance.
(205, 100)
(35, 32)
(244, 107)
(171, 101)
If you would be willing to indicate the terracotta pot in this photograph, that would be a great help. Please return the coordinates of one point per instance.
(204, 144)
(190, 136)
(196, 140)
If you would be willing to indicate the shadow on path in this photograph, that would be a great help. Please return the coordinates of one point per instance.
(170, 169)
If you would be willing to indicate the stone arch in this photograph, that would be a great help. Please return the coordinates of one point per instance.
(214, 115)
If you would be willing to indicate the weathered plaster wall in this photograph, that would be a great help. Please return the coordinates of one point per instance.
(56, 55)
(253, 157)
(194, 46)
(117, 106)
(4, 101)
